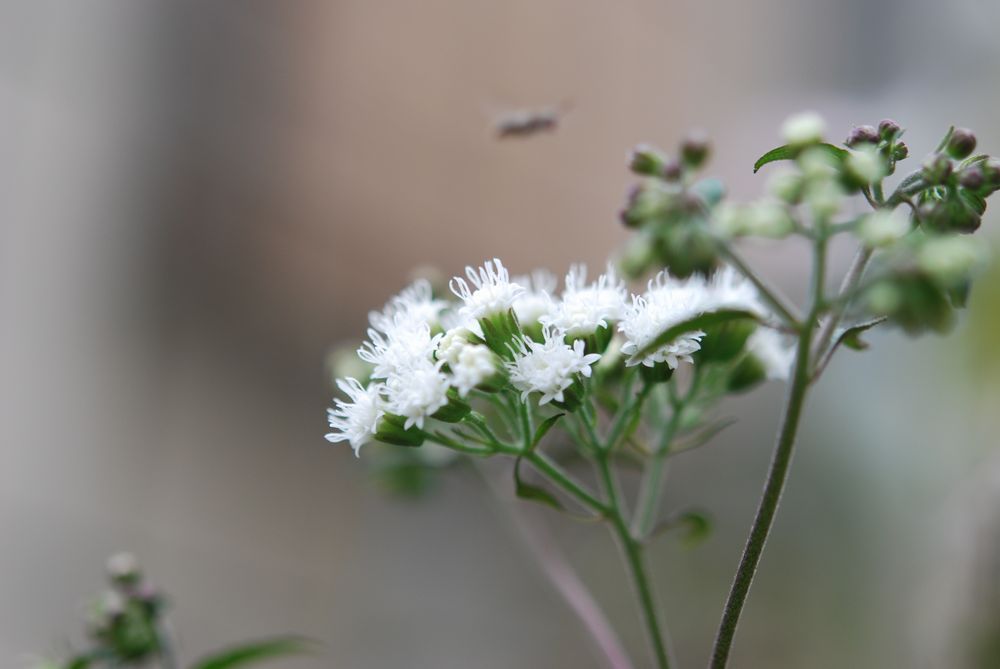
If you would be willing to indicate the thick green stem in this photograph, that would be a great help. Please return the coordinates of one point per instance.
(635, 561)
(778, 472)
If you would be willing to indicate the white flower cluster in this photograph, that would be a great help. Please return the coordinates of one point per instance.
(427, 353)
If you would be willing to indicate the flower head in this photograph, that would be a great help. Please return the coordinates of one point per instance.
(773, 352)
(356, 421)
(473, 365)
(415, 305)
(416, 393)
(491, 291)
(548, 367)
(399, 347)
(536, 301)
(586, 307)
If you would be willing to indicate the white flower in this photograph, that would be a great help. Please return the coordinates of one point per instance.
(416, 393)
(773, 352)
(883, 228)
(452, 344)
(804, 128)
(728, 289)
(536, 301)
(398, 348)
(548, 367)
(474, 365)
(586, 307)
(357, 420)
(649, 316)
(492, 291)
(415, 304)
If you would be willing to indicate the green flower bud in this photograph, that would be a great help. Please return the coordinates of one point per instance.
(951, 259)
(862, 134)
(866, 166)
(786, 185)
(913, 301)
(936, 169)
(636, 258)
(824, 197)
(725, 341)
(768, 219)
(123, 570)
(972, 177)
(500, 331)
(961, 144)
(900, 151)
(672, 170)
(695, 150)
(686, 248)
(455, 410)
(647, 202)
(646, 161)
(391, 430)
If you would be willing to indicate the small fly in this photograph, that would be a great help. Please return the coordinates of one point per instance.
(528, 122)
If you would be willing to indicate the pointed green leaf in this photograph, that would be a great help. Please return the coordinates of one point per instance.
(697, 323)
(544, 428)
(253, 652)
(533, 493)
(697, 526)
(789, 152)
(851, 337)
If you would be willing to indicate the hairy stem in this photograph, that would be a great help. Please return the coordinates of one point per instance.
(635, 561)
(777, 473)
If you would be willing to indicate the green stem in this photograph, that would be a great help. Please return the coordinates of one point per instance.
(770, 296)
(777, 473)
(634, 559)
(566, 482)
(652, 480)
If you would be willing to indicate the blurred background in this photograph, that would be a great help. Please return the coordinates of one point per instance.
(199, 198)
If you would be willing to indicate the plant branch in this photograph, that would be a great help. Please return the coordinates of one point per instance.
(770, 295)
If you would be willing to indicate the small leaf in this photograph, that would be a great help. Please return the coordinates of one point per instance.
(252, 652)
(533, 493)
(544, 428)
(697, 323)
(696, 524)
(851, 337)
(80, 662)
(789, 152)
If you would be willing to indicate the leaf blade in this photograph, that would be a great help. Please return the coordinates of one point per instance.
(254, 651)
(789, 152)
(699, 322)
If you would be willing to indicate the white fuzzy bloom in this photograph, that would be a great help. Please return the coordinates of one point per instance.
(403, 346)
(586, 307)
(773, 351)
(491, 292)
(356, 421)
(415, 305)
(804, 128)
(549, 367)
(416, 393)
(649, 316)
(452, 344)
(474, 365)
(536, 300)
(728, 289)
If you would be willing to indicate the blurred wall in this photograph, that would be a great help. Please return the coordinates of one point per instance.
(199, 197)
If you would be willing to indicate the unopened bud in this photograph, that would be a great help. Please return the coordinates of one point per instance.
(900, 151)
(804, 128)
(862, 134)
(695, 150)
(646, 160)
(962, 143)
(936, 169)
(971, 177)
(672, 170)
(123, 569)
(888, 129)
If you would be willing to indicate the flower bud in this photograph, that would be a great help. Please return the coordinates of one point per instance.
(862, 134)
(961, 144)
(972, 177)
(991, 176)
(936, 169)
(672, 170)
(391, 430)
(804, 128)
(950, 259)
(646, 161)
(866, 166)
(768, 219)
(725, 341)
(888, 129)
(695, 150)
(647, 202)
(786, 185)
(912, 301)
(455, 410)
(900, 151)
(637, 258)
(123, 569)
(883, 228)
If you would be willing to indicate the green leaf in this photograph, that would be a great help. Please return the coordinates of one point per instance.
(533, 493)
(79, 662)
(851, 337)
(697, 323)
(254, 651)
(789, 152)
(697, 526)
(544, 428)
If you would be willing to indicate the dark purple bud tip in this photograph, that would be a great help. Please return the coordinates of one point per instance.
(888, 129)
(862, 134)
(972, 178)
(672, 170)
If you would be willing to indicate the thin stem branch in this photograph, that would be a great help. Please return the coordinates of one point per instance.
(777, 473)
(567, 483)
(560, 572)
(634, 559)
(851, 279)
(770, 295)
